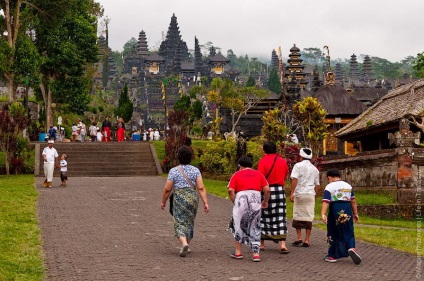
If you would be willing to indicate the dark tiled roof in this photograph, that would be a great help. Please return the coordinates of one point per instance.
(154, 57)
(187, 65)
(218, 58)
(369, 94)
(337, 101)
(402, 101)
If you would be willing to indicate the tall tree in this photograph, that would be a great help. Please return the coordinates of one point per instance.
(312, 55)
(14, 22)
(129, 46)
(419, 65)
(274, 83)
(125, 106)
(238, 100)
(67, 41)
(250, 82)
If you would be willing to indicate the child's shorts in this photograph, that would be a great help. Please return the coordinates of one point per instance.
(63, 176)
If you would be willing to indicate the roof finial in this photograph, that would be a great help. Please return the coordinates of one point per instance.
(329, 76)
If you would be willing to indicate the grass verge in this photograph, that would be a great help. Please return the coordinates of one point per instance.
(20, 240)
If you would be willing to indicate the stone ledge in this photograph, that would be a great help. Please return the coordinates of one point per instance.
(392, 211)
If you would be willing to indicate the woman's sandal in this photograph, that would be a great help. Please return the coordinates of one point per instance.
(284, 251)
(297, 242)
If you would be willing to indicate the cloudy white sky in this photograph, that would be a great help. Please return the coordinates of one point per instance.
(388, 29)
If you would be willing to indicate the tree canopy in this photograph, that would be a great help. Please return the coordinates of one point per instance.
(419, 65)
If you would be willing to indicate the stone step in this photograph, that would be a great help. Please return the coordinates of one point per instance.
(105, 159)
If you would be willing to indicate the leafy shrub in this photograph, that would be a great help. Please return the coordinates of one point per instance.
(219, 157)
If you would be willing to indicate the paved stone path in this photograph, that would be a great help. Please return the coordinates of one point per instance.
(113, 229)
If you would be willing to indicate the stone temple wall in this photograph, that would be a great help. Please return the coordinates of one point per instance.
(376, 170)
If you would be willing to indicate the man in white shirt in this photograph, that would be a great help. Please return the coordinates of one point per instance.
(51, 159)
(304, 185)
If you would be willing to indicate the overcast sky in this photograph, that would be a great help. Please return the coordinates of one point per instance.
(387, 29)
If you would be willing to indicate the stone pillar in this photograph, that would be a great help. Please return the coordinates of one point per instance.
(407, 183)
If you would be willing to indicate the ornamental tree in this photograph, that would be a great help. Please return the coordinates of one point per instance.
(310, 114)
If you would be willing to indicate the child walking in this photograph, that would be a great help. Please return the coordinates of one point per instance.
(63, 169)
(340, 202)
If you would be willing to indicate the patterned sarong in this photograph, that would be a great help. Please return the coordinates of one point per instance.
(245, 224)
(186, 201)
(273, 221)
(340, 233)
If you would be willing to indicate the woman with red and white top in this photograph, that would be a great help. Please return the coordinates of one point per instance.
(244, 190)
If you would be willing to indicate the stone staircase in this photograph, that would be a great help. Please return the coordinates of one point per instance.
(101, 159)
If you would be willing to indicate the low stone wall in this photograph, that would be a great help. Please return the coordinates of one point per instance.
(369, 171)
(391, 211)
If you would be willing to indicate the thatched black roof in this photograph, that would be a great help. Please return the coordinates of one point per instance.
(337, 101)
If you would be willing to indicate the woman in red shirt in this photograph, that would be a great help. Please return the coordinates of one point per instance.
(244, 190)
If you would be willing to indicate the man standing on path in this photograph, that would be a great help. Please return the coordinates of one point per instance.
(51, 159)
(304, 186)
(273, 220)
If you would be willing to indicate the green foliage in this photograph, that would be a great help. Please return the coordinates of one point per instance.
(198, 91)
(238, 100)
(312, 55)
(27, 61)
(129, 46)
(125, 106)
(310, 114)
(13, 120)
(6, 53)
(274, 129)
(72, 94)
(20, 244)
(251, 82)
(67, 41)
(369, 123)
(274, 83)
(183, 103)
(219, 157)
(419, 65)
(21, 158)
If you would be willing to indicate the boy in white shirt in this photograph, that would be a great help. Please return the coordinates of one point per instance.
(63, 169)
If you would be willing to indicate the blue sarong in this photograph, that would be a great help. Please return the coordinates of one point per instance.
(340, 234)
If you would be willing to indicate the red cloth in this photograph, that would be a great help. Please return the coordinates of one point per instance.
(106, 134)
(280, 171)
(247, 179)
(120, 134)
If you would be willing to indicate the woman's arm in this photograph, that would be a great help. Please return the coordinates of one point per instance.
(202, 192)
(232, 194)
(169, 185)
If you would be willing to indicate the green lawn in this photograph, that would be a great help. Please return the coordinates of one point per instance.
(20, 239)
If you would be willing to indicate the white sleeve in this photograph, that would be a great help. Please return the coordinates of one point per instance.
(295, 172)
